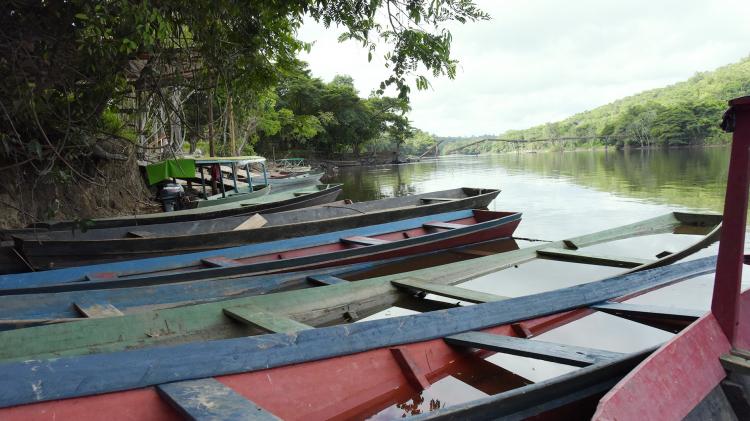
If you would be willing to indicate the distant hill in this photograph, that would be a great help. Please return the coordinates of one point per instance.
(684, 113)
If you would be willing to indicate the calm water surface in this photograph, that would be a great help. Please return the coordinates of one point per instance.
(562, 195)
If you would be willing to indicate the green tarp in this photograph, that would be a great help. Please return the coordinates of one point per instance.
(171, 168)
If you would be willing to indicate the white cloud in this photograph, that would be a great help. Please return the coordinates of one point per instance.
(543, 60)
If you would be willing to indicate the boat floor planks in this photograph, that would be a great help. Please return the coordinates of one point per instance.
(316, 307)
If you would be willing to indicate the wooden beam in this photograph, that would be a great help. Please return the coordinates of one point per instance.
(270, 322)
(220, 262)
(364, 241)
(666, 318)
(326, 280)
(96, 308)
(437, 199)
(210, 400)
(410, 369)
(592, 259)
(444, 225)
(140, 234)
(546, 351)
(735, 364)
(449, 291)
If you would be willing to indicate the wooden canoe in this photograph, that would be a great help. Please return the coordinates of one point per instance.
(274, 202)
(291, 374)
(69, 248)
(382, 241)
(339, 303)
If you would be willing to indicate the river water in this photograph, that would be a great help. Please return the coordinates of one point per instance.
(564, 194)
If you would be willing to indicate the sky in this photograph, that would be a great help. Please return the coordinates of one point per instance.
(538, 61)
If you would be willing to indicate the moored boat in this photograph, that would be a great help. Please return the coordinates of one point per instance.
(275, 202)
(368, 358)
(339, 302)
(368, 243)
(72, 248)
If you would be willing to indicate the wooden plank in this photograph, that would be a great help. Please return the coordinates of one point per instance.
(666, 318)
(437, 199)
(140, 234)
(210, 400)
(658, 311)
(736, 364)
(92, 309)
(473, 252)
(67, 377)
(255, 221)
(100, 276)
(546, 351)
(265, 320)
(221, 262)
(445, 225)
(449, 291)
(714, 407)
(326, 280)
(592, 259)
(365, 241)
(411, 370)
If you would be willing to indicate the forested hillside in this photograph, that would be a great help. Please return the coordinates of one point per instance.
(685, 113)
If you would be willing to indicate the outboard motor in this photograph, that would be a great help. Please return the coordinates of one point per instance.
(171, 196)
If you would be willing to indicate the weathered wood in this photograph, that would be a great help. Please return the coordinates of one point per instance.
(326, 280)
(539, 398)
(265, 320)
(735, 363)
(35, 309)
(97, 309)
(140, 234)
(546, 351)
(209, 400)
(444, 225)
(458, 293)
(33, 381)
(714, 407)
(579, 256)
(438, 199)
(255, 221)
(364, 241)
(738, 397)
(411, 370)
(667, 318)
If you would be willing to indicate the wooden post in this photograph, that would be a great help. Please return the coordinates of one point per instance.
(232, 142)
(211, 148)
(725, 304)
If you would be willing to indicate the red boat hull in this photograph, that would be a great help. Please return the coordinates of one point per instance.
(357, 385)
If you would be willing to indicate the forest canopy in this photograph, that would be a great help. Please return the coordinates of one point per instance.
(160, 74)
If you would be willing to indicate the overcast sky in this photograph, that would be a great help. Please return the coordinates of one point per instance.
(544, 60)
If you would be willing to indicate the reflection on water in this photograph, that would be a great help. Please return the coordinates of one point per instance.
(564, 195)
